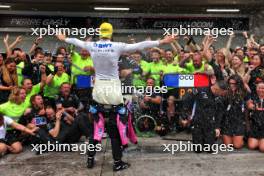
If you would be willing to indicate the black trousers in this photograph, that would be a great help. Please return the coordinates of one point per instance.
(112, 130)
(203, 135)
(71, 133)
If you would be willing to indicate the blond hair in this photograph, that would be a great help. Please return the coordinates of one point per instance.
(9, 78)
(14, 96)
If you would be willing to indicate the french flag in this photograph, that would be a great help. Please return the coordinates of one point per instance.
(179, 80)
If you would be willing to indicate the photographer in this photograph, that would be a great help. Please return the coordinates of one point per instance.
(53, 83)
(32, 70)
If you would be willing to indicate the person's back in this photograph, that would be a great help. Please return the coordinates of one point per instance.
(107, 86)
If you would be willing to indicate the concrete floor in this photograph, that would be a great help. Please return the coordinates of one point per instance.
(147, 158)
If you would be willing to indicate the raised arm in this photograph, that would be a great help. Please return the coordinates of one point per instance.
(18, 40)
(227, 52)
(8, 50)
(147, 44)
(74, 41)
(176, 47)
(35, 44)
(206, 52)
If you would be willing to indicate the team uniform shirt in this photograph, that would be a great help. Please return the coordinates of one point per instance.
(191, 69)
(7, 122)
(155, 70)
(35, 90)
(15, 111)
(172, 68)
(53, 89)
(20, 76)
(138, 81)
(176, 59)
(78, 65)
(51, 67)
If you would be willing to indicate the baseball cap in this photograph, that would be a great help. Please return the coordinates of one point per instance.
(106, 30)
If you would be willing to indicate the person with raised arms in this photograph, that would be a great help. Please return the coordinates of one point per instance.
(107, 87)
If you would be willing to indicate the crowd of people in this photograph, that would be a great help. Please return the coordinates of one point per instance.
(41, 98)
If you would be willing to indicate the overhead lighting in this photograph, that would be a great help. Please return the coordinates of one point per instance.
(222, 10)
(5, 6)
(111, 8)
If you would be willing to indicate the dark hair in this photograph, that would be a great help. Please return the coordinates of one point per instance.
(22, 82)
(239, 57)
(150, 78)
(261, 45)
(10, 60)
(137, 52)
(261, 59)
(32, 98)
(59, 50)
(36, 53)
(168, 50)
(240, 92)
(155, 51)
(64, 84)
(16, 49)
(38, 48)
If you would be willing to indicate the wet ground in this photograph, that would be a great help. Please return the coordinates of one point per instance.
(147, 158)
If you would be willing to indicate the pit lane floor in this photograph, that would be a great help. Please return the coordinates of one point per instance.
(147, 158)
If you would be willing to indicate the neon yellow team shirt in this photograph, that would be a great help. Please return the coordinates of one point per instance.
(176, 59)
(191, 69)
(19, 69)
(15, 111)
(138, 81)
(51, 67)
(35, 90)
(155, 69)
(53, 89)
(246, 59)
(78, 64)
(172, 68)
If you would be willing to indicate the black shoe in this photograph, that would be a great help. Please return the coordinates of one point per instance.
(120, 165)
(90, 162)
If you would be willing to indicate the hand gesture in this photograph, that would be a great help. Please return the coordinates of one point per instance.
(38, 40)
(6, 38)
(245, 34)
(168, 39)
(42, 68)
(61, 37)
(217, 132)
(19, 39)
(32, 131)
